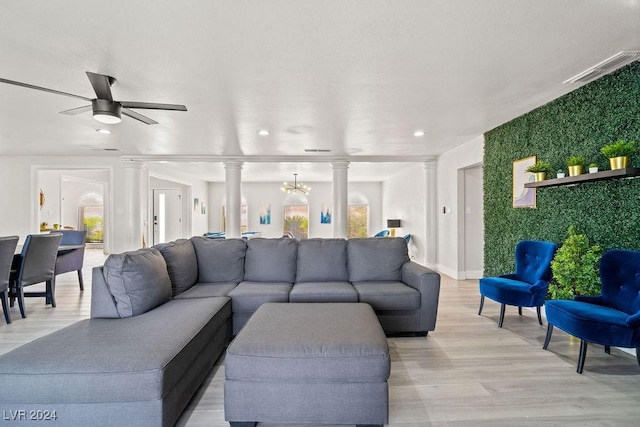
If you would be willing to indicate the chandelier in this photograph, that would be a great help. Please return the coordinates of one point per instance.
(296, 186)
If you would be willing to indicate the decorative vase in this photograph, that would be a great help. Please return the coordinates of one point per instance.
(540, 176)
(593, 170)
(619, 162)
(575, 170)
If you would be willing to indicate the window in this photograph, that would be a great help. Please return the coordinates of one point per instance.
(357, 215)
(244, 217)
(296, 216)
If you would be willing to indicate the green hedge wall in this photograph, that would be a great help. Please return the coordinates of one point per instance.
(579, 123)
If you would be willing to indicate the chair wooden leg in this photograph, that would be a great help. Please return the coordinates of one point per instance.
(539, 315)
(520, 310)
(548, 337)
(638, 355)
(502, 309)
(583, 355)
(4, 296)
(80, 280)
(20, 296)
(607, 349)
(481, 304)
(51, 291)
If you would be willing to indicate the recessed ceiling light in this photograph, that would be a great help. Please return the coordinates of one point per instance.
(263, 132)
(418, 133)
(104, 131)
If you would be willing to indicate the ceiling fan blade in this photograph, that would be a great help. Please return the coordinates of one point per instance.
(44, 89)
(74, 111)
(101, 85)
(153, 106)
(137, 116)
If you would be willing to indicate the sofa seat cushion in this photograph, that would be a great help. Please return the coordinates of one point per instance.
(219, 260)
(323, 292)
(322, 260)
(182, 264)
(138, 281)
(205, 290)
(388, 295)
(248, 296)
(323, 342)
(113, 360)
(271, 260)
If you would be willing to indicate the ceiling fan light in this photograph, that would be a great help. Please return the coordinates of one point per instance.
(106, 111)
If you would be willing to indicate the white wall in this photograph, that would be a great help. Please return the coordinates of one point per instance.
(195, 222)
(404, 199)
(450, 181)
(261, 193)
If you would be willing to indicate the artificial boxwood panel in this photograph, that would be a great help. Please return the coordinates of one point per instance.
(579, 123)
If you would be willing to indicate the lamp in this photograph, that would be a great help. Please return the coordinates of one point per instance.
(292, 188)
(393, 224)
(106, 111)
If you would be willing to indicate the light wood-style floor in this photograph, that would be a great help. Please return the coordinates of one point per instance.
(468, 372)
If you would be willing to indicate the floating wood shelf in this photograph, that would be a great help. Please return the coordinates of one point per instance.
(586, 177)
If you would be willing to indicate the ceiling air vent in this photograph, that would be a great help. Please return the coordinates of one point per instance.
(605, 67)
(317, 150)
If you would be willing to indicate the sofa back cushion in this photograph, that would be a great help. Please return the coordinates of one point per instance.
(219, 260)
(182, 264)
(376, 259)
(271, 260)
(138, 281)
(322, 260)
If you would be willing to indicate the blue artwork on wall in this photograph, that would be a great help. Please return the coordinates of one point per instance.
(265, 214)
(325, 214)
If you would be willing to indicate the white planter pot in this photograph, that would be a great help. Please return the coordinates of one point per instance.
(593, 170)
(561, 175)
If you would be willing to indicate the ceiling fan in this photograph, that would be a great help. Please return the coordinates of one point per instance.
(104, 108)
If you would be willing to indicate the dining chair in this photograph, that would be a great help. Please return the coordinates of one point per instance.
(37, 264)
(7, 249)
(72, 259)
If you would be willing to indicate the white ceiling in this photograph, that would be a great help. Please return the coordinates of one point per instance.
(357, 77)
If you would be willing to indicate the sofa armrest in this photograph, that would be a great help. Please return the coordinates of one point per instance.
(102, 303)
(634, 320)
(428, 283)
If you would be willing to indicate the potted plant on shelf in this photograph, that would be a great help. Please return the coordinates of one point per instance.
(575, 268)
(593, 168)
(619, 152)
(576, 164)
(560, 174)
(540, 169)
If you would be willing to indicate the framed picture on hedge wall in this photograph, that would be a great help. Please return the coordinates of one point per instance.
(523, 197)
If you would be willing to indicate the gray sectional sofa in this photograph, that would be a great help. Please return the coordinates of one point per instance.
(160, 317)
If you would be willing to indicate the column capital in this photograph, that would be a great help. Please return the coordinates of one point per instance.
(233, 164)
(340, 164)
(432, 164)
(134, 164)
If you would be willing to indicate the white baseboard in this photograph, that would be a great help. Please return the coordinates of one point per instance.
(454, 274)
(473, 274)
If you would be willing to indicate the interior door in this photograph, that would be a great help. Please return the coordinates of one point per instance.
(167, 215)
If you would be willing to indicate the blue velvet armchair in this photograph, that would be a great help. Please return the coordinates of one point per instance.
(527, 287)
(611, 318)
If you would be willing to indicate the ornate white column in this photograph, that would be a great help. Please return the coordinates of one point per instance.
(131, 225)
(431, 218)
(233, 180)
(340, 198)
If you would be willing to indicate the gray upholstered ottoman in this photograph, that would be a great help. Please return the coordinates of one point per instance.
(322, 363)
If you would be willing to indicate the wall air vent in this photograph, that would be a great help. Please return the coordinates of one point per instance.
(317, 150)
(103, 149)
(605, 67)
